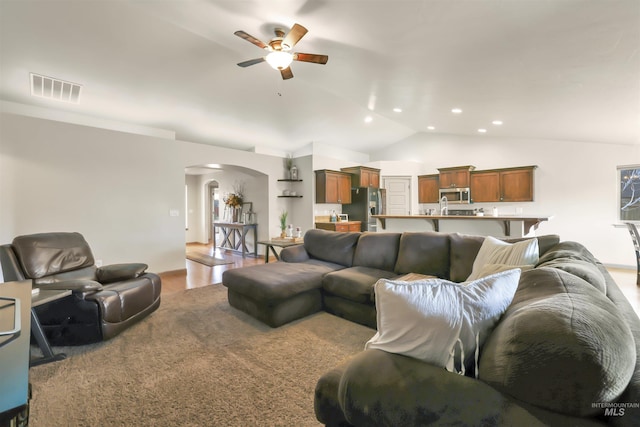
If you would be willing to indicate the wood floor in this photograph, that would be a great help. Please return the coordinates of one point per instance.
(197, 275)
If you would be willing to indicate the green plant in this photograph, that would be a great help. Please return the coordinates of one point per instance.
(288, 162)
(283, 220)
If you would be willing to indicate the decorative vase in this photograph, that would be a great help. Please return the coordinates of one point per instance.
(293, 172)
(235, 214)
(283, 234)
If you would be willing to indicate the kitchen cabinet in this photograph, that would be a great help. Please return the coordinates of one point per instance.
(333, 187)
(457, 177)
(503, 185)
(485, 186)
(428, 186)
(362, 176)
(517, 184)
(340, 226)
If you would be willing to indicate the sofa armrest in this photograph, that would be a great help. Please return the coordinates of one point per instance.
(77, 286)
(118, 272)
(295, 253)
(379, 388)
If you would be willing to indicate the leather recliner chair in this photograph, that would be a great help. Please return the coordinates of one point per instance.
(104, 301)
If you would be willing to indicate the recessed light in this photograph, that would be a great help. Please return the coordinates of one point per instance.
(397, 110)
(482, 130)
(368, 119)
(496, 122)
(431, 127)
(456, 110)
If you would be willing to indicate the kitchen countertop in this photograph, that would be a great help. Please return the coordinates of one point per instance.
(528, 220)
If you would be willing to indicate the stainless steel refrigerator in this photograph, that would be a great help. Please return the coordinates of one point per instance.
(365, 201)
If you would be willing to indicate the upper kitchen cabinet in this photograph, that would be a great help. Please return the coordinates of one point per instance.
(516, 184)
(503, 185)
(428, 186)
(333, 187)
(457, 177)
(362, 176)
(485, 186)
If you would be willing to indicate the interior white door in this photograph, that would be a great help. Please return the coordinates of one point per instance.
(398, 195)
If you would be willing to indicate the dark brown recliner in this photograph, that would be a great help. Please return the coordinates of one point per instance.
(104, 301)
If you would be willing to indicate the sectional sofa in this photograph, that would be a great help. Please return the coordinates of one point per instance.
(470, 330)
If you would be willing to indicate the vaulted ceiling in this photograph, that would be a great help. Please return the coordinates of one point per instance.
(565, 70)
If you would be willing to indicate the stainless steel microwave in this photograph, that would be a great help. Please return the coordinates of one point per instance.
(455, 195)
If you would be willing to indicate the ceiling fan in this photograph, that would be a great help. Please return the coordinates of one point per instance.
(280, 55)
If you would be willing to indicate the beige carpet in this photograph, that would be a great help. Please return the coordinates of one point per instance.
(206, 259)
(196, 361)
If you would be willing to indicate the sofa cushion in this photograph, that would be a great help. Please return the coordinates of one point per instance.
(425, 253)
(355, 283)
(567, 250)
(495, 251)
(377, 250)
(574, 258)
(559, 327)
(438, 321)
(335, 247)
(86, 273)
(464, 249)
(278, 280)
(51, 253)
(118, 272)
(585, 270)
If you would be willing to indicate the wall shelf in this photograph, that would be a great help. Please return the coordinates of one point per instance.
(290, 196)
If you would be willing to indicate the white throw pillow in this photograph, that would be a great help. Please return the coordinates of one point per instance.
(495, 251)
(441, 322)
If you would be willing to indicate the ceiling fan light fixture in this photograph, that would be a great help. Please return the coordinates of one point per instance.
(279, 60)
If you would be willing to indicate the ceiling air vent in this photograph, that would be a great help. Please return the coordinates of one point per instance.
(56, 89)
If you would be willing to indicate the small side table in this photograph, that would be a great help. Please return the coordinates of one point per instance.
(43, 297)
(272, 244)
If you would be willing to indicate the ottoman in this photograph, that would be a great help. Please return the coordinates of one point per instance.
(279, 292)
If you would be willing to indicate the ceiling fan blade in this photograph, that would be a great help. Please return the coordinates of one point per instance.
(310, 57)
(251, 39)
(251, 62)
(286, 73)
(294, 36)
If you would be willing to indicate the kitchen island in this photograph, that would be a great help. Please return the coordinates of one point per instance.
(499, 226)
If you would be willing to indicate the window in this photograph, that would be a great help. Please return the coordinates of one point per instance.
(629, 194)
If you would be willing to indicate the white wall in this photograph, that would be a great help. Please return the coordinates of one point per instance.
(115, 188)
(575, 182)
(118, 188)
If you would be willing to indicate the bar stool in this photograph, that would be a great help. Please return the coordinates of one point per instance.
(635, 237)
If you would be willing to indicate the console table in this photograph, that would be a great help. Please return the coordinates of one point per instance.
(234, 237)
